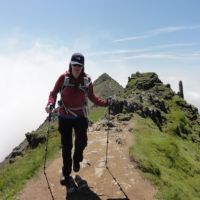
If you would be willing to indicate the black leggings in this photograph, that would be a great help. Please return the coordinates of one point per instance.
(65, 128)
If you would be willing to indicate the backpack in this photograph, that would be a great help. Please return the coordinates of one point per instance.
(83, 87)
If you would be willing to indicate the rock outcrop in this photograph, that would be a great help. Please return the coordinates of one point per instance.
(146, 95)
(34, 140)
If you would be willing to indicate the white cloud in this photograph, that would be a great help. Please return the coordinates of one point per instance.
(157, 55)
(171, 29)
(175, 45)
(26, 79)
(153, 52)
(116, 52)
(155, 32)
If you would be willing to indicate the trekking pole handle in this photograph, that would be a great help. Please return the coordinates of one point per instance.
(107, 142)
(109, 107)
(49, 117)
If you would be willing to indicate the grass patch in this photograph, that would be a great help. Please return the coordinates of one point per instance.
(97, 113)
(14, 176)
(173, 164)
(179, 124)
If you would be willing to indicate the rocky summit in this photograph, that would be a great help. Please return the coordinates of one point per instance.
(146, 95)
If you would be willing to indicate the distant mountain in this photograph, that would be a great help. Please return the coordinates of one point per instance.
(106, 86)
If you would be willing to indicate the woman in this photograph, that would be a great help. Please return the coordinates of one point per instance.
(75, 87)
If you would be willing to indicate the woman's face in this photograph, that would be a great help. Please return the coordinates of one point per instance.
(76, 70)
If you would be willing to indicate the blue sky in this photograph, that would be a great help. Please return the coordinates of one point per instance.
(118, 37)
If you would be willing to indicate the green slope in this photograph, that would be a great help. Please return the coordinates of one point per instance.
(167, 135)
(170, 162)
(14, 176)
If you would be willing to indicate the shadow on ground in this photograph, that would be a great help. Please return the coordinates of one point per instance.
(118, 199)
(88, 194)
(83, 194)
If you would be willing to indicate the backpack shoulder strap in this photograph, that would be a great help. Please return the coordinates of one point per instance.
(66, 82)
(85, 85)
(87, 81)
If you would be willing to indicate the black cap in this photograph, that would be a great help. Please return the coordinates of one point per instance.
(78, 59)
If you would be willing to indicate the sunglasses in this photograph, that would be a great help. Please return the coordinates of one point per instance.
(76, 65)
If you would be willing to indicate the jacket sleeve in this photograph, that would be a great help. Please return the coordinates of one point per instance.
(56, 90)
(96, 100)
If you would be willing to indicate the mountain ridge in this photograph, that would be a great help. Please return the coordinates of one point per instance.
(145, 99)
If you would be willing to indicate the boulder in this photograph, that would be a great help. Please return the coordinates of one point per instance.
(34, 140)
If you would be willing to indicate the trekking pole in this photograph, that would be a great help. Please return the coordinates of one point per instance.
(45, 157)
(106, 161)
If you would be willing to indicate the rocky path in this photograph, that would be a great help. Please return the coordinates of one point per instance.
(93, 169)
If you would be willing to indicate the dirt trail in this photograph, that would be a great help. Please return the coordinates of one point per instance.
(93, 170)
